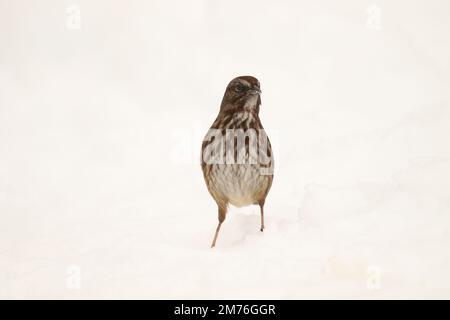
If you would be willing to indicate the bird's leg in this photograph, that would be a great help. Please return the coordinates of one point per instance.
(261, 206)
(222, 214)
(215, 236)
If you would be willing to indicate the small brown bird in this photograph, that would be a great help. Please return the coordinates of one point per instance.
(237, 160)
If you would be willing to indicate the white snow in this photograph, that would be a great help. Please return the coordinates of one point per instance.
(101, 193)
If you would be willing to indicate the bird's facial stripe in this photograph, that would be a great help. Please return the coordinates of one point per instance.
(250, 81)
(244, 82)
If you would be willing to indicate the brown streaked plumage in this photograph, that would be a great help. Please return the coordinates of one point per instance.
(231, 181)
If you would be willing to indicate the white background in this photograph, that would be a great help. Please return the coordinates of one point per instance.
(101, 193)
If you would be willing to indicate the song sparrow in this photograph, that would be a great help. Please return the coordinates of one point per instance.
(237, 161)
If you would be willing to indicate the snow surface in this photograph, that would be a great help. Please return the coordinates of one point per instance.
(101, 193)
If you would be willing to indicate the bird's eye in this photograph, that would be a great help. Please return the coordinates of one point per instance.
(240, 87)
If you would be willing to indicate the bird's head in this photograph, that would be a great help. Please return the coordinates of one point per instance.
(242, 93)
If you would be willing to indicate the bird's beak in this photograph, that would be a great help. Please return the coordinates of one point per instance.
(255, 91)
